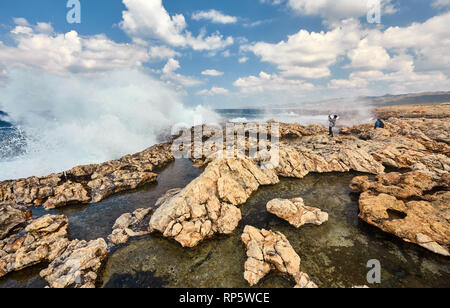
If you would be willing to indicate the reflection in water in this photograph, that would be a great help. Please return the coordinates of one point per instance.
(334, 254)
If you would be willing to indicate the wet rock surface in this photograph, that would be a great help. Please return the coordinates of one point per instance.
(413, 206)
(207, 206)
(87, 184)
(296, 212)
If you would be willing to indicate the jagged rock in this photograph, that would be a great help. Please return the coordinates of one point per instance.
(90, 183)
(121, 180)
(66, 194)
(267, 251)
(303, 281)
(13, 218)
(43, 240)
(128, 225)
(296, 212)
(322, 154)
(208, 204)
(77, 267)
(400, 204)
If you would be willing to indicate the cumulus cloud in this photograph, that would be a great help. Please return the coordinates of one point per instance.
(177, 80)
(309, 54)
(270, 83)
(213, 73)
(215, 17)
(37, 47)
(213, 91)
(333, 10)
(149, 20)
(163, 52)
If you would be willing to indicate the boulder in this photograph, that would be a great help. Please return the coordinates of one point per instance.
(43, 240)
(129, 225)
(267, 251)
(13, 218)
(296, 212)
(412, 206)
(78, 266)
(207, 206)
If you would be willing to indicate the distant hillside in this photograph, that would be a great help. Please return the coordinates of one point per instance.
(409, 99)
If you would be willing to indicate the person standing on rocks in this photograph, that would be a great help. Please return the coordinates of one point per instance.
(379, 124)
(332, 121)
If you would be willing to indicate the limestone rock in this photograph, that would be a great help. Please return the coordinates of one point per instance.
(296, 212)
(400, 204)
(303, 281)
(89, 183)
(129, 225)
(266, 251)
(77, 267)
(43, 240)
(208, 204)
(12, 218)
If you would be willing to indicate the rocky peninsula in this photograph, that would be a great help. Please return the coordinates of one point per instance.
(405, 192)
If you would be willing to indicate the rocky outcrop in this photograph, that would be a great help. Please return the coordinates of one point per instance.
(303, 281)
(321, 154)
(13, 218)
(129, 225)
(43, 240)
(87, 184)
(296, 212)
(77, 267)
(267, 251)
(208, 204)
(412, 206)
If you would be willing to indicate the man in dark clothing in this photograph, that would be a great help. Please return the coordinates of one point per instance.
(332, 121)
(379, 124)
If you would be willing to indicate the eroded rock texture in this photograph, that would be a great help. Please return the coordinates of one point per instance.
(13, 218)
(77, 267)
(130, 225)
(86, 184)
(413, 206)
(296, 212)
(267, 251)
(43, 240)
(208, 204)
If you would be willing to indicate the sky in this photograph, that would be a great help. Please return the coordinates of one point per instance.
(229, 54)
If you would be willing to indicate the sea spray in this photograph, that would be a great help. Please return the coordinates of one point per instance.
(68, 121)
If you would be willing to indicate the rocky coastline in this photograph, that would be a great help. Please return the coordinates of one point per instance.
(412, 203)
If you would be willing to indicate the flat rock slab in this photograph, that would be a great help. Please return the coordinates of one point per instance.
(296, 212)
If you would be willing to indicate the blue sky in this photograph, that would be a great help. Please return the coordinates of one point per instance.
(247, 60)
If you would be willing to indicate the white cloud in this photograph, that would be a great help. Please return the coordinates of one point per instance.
(213, 91)
(243, 60)
(163, 52)
(37, 47)
(271, 83)
(215, 17)
(177, 80)
(441, 3)
(213, 73)
(309, 54)
(149, 20)
(334, 10)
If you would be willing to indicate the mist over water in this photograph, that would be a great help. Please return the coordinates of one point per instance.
(62, 122)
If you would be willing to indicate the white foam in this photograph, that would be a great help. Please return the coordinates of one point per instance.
(70, 121)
